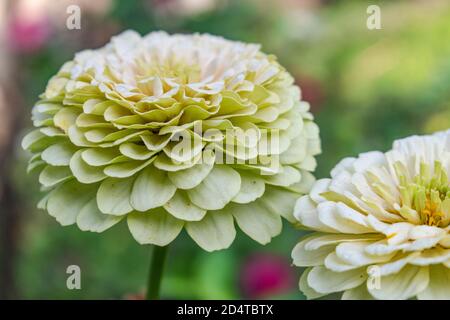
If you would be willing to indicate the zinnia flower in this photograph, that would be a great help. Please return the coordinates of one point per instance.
(111, 123)
(382, 223)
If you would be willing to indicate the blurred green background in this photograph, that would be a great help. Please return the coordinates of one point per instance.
(366, 88)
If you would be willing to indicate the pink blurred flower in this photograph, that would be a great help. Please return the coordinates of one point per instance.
(28, 35)
(312, 91)
(266, 274)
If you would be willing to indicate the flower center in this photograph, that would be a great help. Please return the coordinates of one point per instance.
(179, 71)
(425, 198)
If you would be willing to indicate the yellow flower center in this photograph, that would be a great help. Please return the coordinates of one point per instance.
(425, 199)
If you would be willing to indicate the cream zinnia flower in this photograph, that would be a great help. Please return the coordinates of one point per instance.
(108, 129)
(382, 223)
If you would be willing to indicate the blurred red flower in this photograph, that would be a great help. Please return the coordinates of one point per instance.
(266, 274)
(28, 35)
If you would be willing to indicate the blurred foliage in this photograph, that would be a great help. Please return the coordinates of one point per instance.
(367, 88)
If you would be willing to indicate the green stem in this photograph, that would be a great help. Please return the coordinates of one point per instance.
(156, 270)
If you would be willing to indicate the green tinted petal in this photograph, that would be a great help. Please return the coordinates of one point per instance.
(66, 201)
(214, 232)
(59, 154)
(154, 227)
(280, 201)
(155, 142)
(52, 132)
(115, 112)
(182, 208)
(36, 141)
(38, 164)
(287, 177)
(92, 121)
(186, 149)
(305, 184)
(91, 219)
(191, 177)
(126, 169)
(257, 221)
(51, 175)
(252, 187)
(151, 189)
(84, 172)
(66, 117)
(296, 152)
(113, 196)
(217, 189)
(135, 151)
(101, 156)
(165, 163)
(77, 137)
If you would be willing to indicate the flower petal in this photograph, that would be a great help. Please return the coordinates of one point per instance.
(251, 189)
(66, 201)
(113, 196)
(214, 232)
(358, 293)
(51, 176)
(323, 280)
(438, 287)
(192, 177)
(92, 219)
(402, 285)
(256, 221)
(58, 154)
(151, 189)
(84, 172)
(307, 258)
(182, 208)
(309, 292)
(154, 227)
(217, 189)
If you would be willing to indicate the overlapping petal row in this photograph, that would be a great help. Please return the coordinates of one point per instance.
(382, 225)
(108, 132)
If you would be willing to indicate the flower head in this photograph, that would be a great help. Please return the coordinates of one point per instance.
(173, 131)
(382, 223)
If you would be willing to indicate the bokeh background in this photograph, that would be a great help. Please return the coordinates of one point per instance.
(366, 88)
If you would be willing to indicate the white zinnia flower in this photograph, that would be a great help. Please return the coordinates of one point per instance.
(382, 223)
(108, 129)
